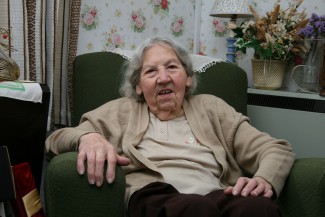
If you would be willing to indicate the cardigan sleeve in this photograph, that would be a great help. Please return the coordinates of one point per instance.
(66, 139)
(260, 154)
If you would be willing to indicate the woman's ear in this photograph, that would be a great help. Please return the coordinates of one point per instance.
(138, 90)
(189, 81)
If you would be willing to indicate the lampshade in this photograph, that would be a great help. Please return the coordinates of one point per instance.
(229, 8)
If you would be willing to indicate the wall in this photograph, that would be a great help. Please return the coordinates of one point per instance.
(125, 23)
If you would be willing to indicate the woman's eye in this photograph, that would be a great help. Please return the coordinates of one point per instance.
(150, 72)
(172, 68)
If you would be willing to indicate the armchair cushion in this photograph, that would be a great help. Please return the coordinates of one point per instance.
(304, 192)
(69, 194)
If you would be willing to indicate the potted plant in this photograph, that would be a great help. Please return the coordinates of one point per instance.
(274, 40)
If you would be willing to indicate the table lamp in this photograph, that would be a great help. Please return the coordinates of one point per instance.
(232, 9)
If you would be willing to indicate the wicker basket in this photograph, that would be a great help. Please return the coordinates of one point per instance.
(268, 74)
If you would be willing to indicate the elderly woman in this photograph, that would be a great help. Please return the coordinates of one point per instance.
(182, 154)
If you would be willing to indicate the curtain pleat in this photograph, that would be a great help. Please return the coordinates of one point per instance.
(31, 15)
(73, 43)
(65, 45)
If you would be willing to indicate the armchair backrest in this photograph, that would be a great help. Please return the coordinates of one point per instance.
(97, 76)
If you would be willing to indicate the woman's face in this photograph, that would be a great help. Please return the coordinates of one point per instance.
(163, 81)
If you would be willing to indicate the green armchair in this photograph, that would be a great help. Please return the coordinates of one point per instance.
(95, 81)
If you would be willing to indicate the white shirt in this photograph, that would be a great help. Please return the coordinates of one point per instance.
(186, 164)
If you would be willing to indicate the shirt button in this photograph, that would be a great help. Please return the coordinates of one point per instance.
(162, 130)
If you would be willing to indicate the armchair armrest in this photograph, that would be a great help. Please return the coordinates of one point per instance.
(304, 192)
(69, 194)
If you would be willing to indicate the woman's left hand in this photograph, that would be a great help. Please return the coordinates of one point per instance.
(256, 186)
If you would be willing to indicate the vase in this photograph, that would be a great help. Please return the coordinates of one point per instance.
(307, 76)
(268, 74)
(231, 51)
(322, 76)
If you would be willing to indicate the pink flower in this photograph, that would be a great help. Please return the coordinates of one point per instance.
(180, 21)
(117, 39)
(93, 12)
(157, 2)
(134, 16)
(215, 22)
(220, 27)
(139, 22)
(164, 4)
(88, 19)
(177, 27)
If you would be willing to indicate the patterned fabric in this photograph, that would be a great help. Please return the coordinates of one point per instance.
(73, 42)
(65, 36)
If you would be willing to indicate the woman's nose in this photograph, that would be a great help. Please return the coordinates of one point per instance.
(163, 76)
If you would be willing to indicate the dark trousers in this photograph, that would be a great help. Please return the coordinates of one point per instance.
(163, 200)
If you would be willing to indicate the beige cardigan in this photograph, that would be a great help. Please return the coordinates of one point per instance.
(236, 145)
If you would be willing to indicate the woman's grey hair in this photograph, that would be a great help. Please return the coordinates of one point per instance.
(133, 67)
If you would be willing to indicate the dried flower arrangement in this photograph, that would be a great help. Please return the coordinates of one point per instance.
(273, 36)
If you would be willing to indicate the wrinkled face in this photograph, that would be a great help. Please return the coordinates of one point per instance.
(163, 81)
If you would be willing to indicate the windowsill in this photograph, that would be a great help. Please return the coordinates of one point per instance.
(285, 93)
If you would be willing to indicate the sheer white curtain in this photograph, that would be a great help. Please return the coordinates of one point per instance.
(44, 35)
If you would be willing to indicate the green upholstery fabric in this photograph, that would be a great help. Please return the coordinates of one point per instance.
(96, 80)
(226, 81)
(69, 194)
(304, 192)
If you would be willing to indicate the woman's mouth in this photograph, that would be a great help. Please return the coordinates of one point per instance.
(163, 92)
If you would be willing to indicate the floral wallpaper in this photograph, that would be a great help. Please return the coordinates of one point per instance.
(106, 25)
(109, 24)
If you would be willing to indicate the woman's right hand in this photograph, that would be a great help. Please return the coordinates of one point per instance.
(96, 149)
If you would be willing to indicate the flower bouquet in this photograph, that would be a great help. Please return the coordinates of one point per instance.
(272, 36)
(274, 40)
